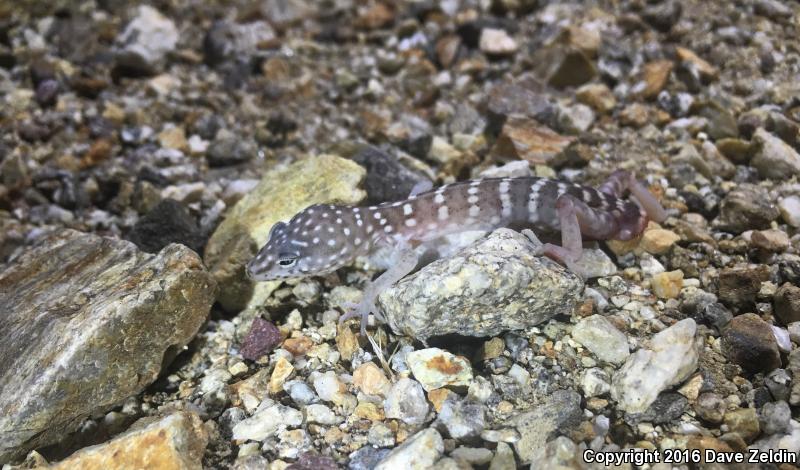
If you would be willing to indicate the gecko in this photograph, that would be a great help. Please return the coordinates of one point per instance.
(324, 237)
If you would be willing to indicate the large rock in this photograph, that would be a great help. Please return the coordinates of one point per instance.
(496, 284)
(87, 322)
(176, 441)
(278, 196)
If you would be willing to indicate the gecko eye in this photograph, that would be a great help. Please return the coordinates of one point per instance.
(286, 262)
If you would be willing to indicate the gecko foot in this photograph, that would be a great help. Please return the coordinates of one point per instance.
(361, 310)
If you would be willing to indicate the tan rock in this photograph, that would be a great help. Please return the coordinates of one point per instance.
(597, 96)
(438, 396)
(668, 285)
(658, 241)
(177, 441)
(174, 138)
(707, 71)
(770, 240)
(370, 379)
(655, 76)
(371, 411)
(283, 369)
(298, 346)
(346, 342)
(497, 42)
(526, 139)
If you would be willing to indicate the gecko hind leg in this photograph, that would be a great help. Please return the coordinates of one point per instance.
(622, 180)
(407, 261)
(576, 218)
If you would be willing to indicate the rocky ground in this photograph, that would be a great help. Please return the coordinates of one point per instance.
(146, 151)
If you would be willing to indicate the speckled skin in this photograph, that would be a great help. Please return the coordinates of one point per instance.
(323, 238)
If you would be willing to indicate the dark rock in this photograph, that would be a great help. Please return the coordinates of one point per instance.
(663, 15)
(721, 123)
(87, 322)
(412, 134)
(668, 406)
(716, 315)
(746, 207)
(787, 303)
(563, 66)
(262, 338)
(560, 412)
(738, 286)
(143, 46)
(387, 178)
(778, 382)
(207, 125)
(229, 149)
(168, 222)
(748, 341)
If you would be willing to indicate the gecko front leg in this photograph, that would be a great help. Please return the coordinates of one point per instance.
(407, 261)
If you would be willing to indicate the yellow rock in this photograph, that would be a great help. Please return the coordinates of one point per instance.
(668, 285)
(283, 369)
(176, 441)
(367, 410)
(658, 241)
(278, 196)
(173, 138)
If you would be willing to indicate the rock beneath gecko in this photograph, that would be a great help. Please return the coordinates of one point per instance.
(279, 195)
(418, 452)
(671, 357)
(494, 285)
(89, 321)
(560, 412)
(174, 441)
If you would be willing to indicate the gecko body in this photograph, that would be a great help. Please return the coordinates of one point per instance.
(323, 238)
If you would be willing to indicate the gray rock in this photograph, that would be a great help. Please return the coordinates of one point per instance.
(494, 285)
(790, 210)
(670, 359)
(558, 453)
(595, 382)
(68, 306)
(557, 414)
(602, 338)
(775, 418)
(229, 149)
(774, 158)
(462, 418)
(388, 179)
(406, 401)
(420, 451)
(366, 458)
(147, 39)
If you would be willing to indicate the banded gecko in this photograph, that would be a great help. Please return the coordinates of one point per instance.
(323, 238)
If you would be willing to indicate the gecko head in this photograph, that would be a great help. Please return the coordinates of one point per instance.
(302, 247)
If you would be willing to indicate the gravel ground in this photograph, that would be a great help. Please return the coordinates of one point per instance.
(147, 150)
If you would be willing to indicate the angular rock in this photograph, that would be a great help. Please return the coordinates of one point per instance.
(144, 44)
(388, 179)
(748, 341)
(497, 42)
(671, 358)
(774, 158)
(462, 419)
(418, 452)
(262, 338)
(87, 322)
(435, 368)
(738, 286)
(655, 75)
(790, 210)
(267, 421)
(557, 414)
(226, 41)
(526, 139)
(597, 96)
(602, 338)
(494, 285)
(746, 207)
(176, 441)
(787, 303)
(278, 196)
(564, 66)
